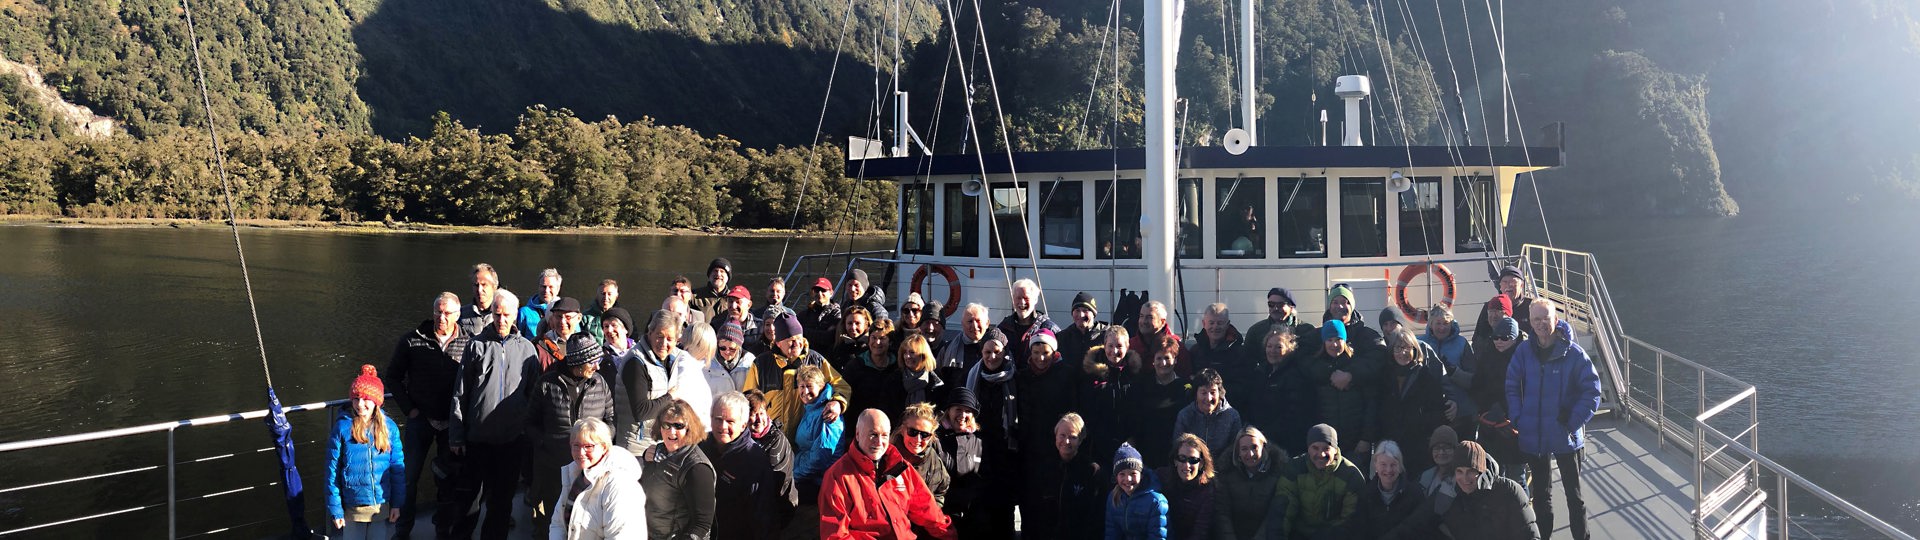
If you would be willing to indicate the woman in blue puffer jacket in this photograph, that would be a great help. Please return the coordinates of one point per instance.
(1136, 510)
(365, 465)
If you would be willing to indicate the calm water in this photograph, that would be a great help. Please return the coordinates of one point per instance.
(104, 328)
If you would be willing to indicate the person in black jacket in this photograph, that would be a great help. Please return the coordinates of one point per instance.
(421, 375)
(678, 478)
(478, 314)
(1062, 495)
(1496, 432)
(1154, 403)
(768, 434)
(1412, 401)
(975, 469)
(1489, 507)
(1084, 332)
(1276, 395)
(1281, 317)
(746, 489)
(1218, 345)
(1393, 507)
(1046, 386)
(874, 375)
(562, 396)
(1107, 375)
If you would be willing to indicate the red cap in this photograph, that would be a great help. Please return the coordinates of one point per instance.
(823, 283)
(1502, 303)
(368, 385)
(740, 291)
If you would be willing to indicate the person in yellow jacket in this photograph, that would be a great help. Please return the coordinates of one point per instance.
(773, 374)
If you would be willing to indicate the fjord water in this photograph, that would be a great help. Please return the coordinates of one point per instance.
(107, 328)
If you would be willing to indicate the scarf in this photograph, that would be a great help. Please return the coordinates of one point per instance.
(917, 385)
(1004, 384)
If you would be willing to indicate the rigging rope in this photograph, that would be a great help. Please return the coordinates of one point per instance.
(1006, 141)
(226, 189)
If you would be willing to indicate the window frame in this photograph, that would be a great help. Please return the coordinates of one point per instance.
(1434, 241)
(967, 226)
(1347, 232)
(1120, 221)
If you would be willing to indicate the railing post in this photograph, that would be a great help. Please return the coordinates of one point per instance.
(1784, 526)
(1660, 398)
(1699, 476)
(173, 521)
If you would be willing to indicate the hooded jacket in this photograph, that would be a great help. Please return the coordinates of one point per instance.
(360, 475)
(1405, 517)
(612, 507)
(773, 375)
(421, 373)
(1552, 396)
(861, 497)
(1242, 497)
(816, 442)
(496, 383)
(1100, 392)
(1496, 510)
(721, 379)
(1457, 353)
(531, 312)
(1141, 515)
(1320, 502)
(875, 301)
(780, 461)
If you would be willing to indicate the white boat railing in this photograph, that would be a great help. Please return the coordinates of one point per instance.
(171, 465)
(1718, 427)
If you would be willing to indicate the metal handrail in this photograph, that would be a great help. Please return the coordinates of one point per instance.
(170, 428)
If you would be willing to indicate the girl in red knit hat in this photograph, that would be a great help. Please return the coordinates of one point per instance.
(365, 466)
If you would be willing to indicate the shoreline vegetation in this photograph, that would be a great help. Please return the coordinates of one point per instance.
(552, 171)
(379, 227)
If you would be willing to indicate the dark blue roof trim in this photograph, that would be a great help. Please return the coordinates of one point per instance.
(1212, 157)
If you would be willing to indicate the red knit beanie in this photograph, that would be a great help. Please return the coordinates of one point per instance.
(1502, 303)
(369, 386)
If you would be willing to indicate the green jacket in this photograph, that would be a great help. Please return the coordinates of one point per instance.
(1318, 501)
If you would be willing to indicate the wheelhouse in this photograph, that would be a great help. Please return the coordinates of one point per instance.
(1299, 217)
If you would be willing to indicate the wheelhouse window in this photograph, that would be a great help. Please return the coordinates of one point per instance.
(1363, 217)
(1009, 232)
(1474, 219)
(916, 219)
(1242, 204)
(1191, 220)
(1116, 219)
(1303, 218)
(1420, 220)
(1061, 228)
(963, 222)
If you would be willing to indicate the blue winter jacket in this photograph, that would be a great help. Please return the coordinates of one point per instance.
(817, 441)
(1457, 353)
(1140, 516)
(1551, 399)
(359, 475)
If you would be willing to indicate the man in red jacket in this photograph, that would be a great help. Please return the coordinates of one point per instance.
(867, 492)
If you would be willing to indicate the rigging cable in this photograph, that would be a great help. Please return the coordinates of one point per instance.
(226, 189)
(806, 172)
(1006, 141)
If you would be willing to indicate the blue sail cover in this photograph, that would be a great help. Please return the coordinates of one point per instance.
(289, 474)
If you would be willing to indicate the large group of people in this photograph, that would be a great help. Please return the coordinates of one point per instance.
(714, 416)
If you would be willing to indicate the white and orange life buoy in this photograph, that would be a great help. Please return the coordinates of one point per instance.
(953, 286)
(1440, 273)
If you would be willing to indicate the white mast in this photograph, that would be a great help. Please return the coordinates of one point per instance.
(1247, 115)
(1157, 191)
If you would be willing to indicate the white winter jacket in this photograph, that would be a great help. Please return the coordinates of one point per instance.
(613, 507)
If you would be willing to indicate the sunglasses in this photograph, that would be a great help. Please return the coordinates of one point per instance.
(676, 426)
(1190, 460)
(917, 434)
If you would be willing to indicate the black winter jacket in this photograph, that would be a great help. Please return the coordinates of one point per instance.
(560, 399)
(746, 490)
(1280, 400)
(1075, 342)
(680, 493)
(1060, 499)
(1410, 409)
(1408, 517)
(1227, 356)
(1497, 510)
(780, 462)
(1243, 498)
(1351, 412)
(421, 374)
(1044, 398)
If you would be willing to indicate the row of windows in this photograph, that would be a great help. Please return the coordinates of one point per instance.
(1238, 218)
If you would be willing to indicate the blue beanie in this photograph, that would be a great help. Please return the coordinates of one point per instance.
(1126, 458)
(1507, 329)
(1333, 329)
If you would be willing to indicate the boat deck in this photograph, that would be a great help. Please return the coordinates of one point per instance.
(1634, 489)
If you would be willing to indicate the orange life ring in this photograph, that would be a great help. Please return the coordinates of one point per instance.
(1407, 274)
(953, 286)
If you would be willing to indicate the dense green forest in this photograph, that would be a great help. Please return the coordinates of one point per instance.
(472, 111)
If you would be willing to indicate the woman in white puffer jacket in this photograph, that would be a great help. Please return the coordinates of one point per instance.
(611, 504)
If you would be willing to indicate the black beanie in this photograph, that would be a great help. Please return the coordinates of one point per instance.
(1323, 433)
